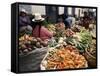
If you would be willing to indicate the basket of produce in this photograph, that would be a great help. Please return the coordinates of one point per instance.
(32, 60)
(63, 58)
(90, 55)
(31, 52)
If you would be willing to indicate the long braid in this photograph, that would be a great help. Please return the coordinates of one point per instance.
(39, 30)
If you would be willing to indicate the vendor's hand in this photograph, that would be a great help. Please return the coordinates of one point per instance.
(53, 33)
(46, 40)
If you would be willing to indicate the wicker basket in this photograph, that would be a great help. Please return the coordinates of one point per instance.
(90, 58)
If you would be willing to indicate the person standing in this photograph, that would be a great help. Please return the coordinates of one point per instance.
(86, 20)
(68, 22)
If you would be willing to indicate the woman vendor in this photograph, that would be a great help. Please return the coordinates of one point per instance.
(39, 30)
(24, 22)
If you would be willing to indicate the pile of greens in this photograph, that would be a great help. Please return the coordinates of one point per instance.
(82, 40)
(52, 42)
(85, 37)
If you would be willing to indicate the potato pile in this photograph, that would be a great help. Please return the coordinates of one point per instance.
(28, 43)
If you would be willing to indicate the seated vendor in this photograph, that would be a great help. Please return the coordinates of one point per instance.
(24, 21)
(39, 30)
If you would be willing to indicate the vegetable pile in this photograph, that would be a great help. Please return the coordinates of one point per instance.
(64, 58)
(81, 40)
(69, 32)
(70, 54)
(51, 28)
(28, 43)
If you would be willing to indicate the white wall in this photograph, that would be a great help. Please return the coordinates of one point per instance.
(61, 10)
(32, 9)
(38, 9)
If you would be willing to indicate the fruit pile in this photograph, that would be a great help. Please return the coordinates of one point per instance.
(28, 43)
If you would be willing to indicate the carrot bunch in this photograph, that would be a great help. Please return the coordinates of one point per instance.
(66, 58)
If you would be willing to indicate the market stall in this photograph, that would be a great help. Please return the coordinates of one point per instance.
(68, 50)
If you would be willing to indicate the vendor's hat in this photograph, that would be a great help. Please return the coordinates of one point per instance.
(23, 10)
(37, 17)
